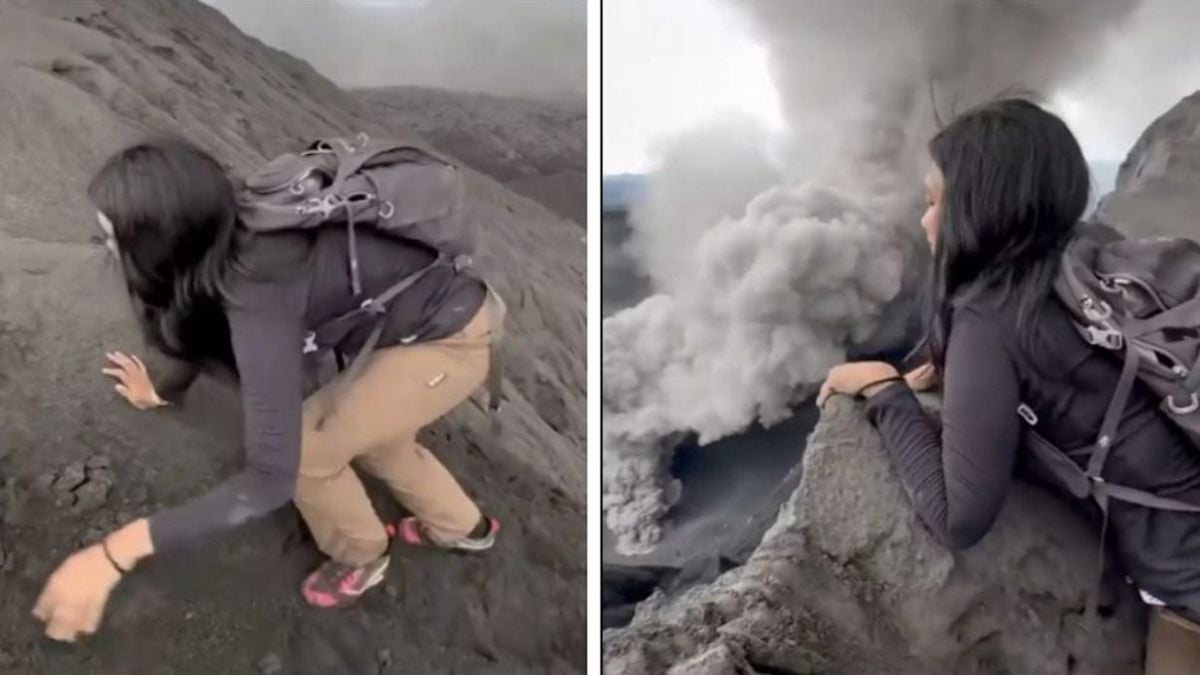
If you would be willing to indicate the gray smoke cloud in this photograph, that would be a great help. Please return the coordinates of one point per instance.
(730, 157)
(531, 48)
(756, 301)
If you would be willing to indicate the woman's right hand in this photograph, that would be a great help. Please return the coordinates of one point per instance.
(922, 378)
(133, 381)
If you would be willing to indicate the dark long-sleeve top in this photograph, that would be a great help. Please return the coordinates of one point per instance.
(284, 285)
(957, 472)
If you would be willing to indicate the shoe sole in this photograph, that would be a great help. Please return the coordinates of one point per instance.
(374, 580)
(474, 545)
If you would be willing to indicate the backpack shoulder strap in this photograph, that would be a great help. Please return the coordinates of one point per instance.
(1080, 485)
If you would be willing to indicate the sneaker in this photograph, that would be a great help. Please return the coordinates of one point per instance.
(335, 584)
(413, 532)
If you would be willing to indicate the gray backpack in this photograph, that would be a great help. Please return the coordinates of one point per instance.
(1140, 300)
(402, 189)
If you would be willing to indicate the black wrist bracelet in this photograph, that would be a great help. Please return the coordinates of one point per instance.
(111, 559)
(893, 378)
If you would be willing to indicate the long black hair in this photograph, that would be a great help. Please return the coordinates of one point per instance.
(174, 217)
(1015, 186)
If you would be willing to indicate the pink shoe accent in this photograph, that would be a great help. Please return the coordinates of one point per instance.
(329, 587)
(411, 532)
(316, 597)
(349, 583)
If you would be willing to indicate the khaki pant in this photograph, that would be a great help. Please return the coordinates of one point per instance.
(1172, 645)
(375, 421)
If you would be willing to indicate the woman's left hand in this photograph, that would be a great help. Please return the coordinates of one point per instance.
(72, 603)
(850, 378)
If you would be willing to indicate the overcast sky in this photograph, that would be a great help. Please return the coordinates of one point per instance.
(509, 47)
(669, 64)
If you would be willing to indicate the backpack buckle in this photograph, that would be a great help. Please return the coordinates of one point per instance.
(1027, 414)
(310, 343)
(373, 306)
(324, 206)
(1105, 336)
(1097, 313)
(1192, 406)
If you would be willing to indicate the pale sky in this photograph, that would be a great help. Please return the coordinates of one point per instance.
(528, 48)
(670, 64)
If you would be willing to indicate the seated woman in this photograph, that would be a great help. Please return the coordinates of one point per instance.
(1007, 187)
(221, 298)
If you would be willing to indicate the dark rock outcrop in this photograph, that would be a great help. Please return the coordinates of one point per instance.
(81, 79)
(1156, 192)
(849, 581)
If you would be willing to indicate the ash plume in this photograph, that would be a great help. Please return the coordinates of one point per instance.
(756, 302)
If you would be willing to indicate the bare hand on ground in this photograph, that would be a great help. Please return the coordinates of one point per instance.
(922, 378)
(133, 381)
(73, 600)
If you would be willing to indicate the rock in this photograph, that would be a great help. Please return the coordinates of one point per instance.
(91, 496)
(44, 481)
(849, 581)
(98, 462)
(72, 476)
(270, 664)
(623, 586)
(716, 660)
(384, 658)
(1156, 191)
(92, 536)
(14, 503)
(82, 486)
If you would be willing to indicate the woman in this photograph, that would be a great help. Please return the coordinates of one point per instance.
(1007, 187)
(213, 295)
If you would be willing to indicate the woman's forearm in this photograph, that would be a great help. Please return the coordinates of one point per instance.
(131, 543)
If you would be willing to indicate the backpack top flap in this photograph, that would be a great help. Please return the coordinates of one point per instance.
(389, 184)
(1135, 278)
(1144, 292)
